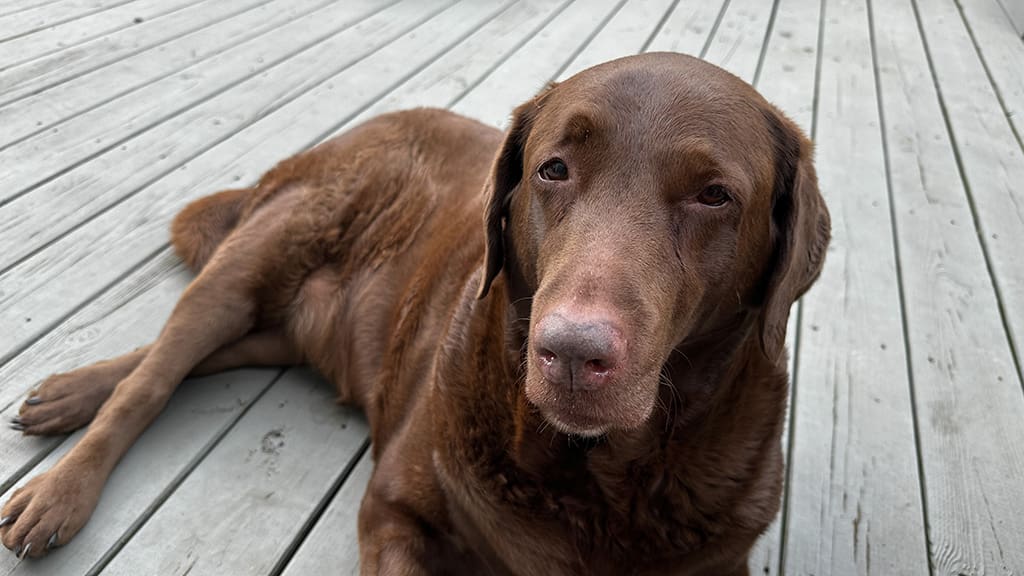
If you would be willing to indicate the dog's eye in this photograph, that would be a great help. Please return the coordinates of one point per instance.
(714, 196)
(554, 170)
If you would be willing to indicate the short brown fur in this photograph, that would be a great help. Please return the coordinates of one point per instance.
(364, 257)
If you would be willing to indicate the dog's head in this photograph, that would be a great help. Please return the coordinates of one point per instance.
(640, 205)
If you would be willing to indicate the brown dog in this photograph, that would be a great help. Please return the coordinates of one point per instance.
(611, 404)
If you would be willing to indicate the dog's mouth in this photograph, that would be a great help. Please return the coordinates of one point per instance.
(620, 404)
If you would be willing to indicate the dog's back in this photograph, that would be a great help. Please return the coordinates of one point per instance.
(383, 227)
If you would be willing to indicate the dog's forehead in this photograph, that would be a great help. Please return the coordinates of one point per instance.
(657, 97)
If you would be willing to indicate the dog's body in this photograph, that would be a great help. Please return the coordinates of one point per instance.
(503, 444)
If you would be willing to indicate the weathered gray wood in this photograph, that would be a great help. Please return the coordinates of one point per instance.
(34, 76)
(626, 33)
(334, 540)
(191, 53)
(39, 17)
(126, 317)
(15, 6)
(537, 62)
(688, 28)
(1015, 12)
(1002, 48)
(967, 392)
(855, 503)
(198, 415)
(992, 160)
(787, 77)
(76, 31)
(740, 37)
(256, 75)
(238, 512)
(116, 322)
(54, 281)
(298, 62)
(448, 78)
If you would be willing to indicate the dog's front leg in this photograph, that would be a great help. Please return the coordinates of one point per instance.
(216, 309)
(403, 515)
(393, 553)
(391, 539)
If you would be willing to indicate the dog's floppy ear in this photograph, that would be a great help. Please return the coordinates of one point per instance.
(506, 175)
(801, 228)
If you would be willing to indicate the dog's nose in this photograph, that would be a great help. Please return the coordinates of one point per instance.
(578, 351)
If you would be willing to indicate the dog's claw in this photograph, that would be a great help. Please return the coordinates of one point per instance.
(17, 552)
(17, 426)
(52, 542)
(24, 553)
(34, 400)
(6, 520)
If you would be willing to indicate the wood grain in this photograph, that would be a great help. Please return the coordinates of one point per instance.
(854, 504)
(36, 18)
(967, 393)
(990, 156)
(1000, 46)
(628, 32)
(38, 74)
(239, 510)
(66, 273)
(535, 63)
(205, 104)
(334, 541)
(57, 38)
(29, 115)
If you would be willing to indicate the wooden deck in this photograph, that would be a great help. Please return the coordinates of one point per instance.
(906, 438)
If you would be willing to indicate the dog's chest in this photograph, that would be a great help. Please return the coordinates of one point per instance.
(526, 529)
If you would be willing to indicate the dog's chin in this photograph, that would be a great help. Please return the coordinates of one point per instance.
(580, 429)
(589, 414)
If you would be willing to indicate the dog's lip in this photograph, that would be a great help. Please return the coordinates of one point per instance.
(572, 422)
(580, 413)
(583, 429)
(619, 405)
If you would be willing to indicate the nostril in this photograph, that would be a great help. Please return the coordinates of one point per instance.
(547, 356)
(598, 367)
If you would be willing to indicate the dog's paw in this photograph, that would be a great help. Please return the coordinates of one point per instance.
(45, 513)
(65, 402)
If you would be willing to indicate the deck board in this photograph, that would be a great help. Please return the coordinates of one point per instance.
(1001, 49)
(966, 390)
(74, 32)
(15, 6)
(160, 68)
(537, 62)
(629, 31)
(462, 69)
(247, 84)
(267, 476)
(855, 502)
(990, 157)
(41, 73)
(907, 393)
(689, 28)
(36, 18)
(333, 540)
(153, 192)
